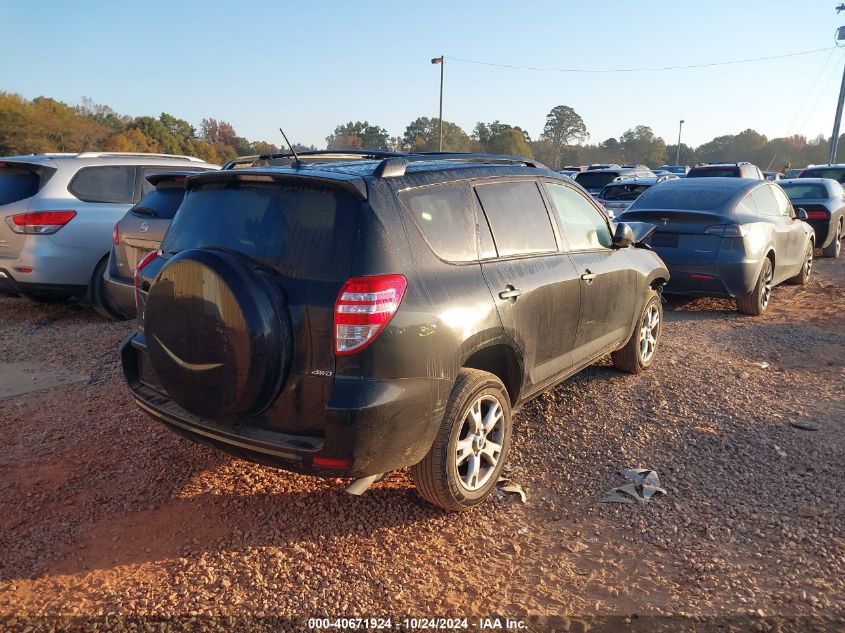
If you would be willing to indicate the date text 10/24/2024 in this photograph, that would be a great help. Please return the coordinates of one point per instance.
(419, 624)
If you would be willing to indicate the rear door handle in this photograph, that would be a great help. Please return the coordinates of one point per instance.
(510, 293)
(588, 276)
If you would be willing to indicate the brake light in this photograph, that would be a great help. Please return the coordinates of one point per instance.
(727, 230)
(115, 235)
(39, 222)
(817, 214)
(150, 257)
(364, 307)
(330, 462)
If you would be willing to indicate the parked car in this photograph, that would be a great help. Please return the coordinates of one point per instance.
(617, 196)
(575, 168)
(823, 200)
(320, 320)
(568, 173)
(595, 166)
(135, 236)
(726, 170)
(594, 180)
(835, 172)
(58, 212)
(678, 170)
(772, 175)
(793, 173)
(726, 237)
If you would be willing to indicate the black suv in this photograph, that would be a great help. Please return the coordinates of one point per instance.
(388, 310)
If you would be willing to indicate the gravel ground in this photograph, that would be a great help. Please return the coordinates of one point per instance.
(105, 511)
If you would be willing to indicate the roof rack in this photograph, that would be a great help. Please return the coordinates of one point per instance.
(396, 166)
(354, 154)
(193, 159)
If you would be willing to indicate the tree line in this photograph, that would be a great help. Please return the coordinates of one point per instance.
(46, 125)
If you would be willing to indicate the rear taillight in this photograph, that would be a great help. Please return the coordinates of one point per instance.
(727, 230)
(817, 214)
(363, 309)
(150, 257)
(39, 222)
(115, 236)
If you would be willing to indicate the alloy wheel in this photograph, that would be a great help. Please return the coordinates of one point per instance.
(767, 287)
(809, 259)
(479, 445)
(649, 327)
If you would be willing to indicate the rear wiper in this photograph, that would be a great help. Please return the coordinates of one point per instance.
(145, 211)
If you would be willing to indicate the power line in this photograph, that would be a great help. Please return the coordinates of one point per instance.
(807, 93)
(635, 70)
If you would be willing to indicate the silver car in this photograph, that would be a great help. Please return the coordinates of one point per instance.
(57, 213)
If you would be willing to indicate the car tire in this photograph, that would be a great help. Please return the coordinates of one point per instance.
(833, 249)
(804, 274)
(462, 467)
(97, 294)
(640, 350)
(756, 303)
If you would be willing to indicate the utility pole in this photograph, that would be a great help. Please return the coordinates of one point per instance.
(834, 139)
(442, 61)
(678, 152)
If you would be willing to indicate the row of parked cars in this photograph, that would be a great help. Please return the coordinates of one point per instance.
(349, 313)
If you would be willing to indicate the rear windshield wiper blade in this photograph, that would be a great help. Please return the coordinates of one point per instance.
(145, 211)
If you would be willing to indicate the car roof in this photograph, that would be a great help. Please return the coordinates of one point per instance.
(642, 180)
(106, 158)
(727, 184)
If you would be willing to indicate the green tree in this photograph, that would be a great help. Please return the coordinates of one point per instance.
(640, 145)
(423, 135)
(501, 138)
(563, 127)
(358, 135)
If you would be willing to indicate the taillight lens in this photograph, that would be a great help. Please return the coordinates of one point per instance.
(363, 309)
(727, 230)
(817, 214)
(39, 222)
(150, 257)
(115, 235)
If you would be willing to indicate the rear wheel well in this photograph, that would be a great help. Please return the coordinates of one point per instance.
(501, 361)
(657, 283)
(771, 256)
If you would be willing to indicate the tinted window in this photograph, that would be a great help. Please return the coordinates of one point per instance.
(714, 172)
(836, 173)
(304, 232)
(784, 206)
(17, 184)
(765, 202)
(517, 217)
(797, 191)
(684, 197)
(146, 187)
(445, 217)
(622, 192)
(583, 224)
(104, 184)
(161, 202)
(595, 179)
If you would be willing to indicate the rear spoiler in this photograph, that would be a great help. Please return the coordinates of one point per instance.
(334, 180)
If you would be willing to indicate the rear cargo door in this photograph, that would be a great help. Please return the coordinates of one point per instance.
(19, 182)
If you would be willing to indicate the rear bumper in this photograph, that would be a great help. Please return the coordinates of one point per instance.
(824, 236)
(369, 426)
(12, 283)
(55, 267)
(119, 290)
(717, 279)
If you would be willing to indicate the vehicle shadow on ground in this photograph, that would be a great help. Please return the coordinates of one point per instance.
(678, 308)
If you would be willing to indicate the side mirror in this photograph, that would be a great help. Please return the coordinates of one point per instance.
(623, 237)
(801, 214)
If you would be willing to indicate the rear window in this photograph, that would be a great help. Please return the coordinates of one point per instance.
(683, 198)
(623, 192)
(714, 172)
(836, 173)
(595, 179)
(303, 232)
(17, 184)
(444, 215)
(805, 192)
(161, 202)
(115, 184)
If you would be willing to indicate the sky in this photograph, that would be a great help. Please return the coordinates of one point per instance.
(310, 66)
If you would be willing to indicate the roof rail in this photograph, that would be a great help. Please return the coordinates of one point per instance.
(193, 159)
(395, 166)
(355, 154)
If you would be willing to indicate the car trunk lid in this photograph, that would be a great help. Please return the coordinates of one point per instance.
(680, 238)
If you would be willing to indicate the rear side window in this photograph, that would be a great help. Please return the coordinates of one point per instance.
(445, 217)
(583, 224)
(765, 202)
(303, 232)
(784, 206)
(161, 202)
(595, 179)
(17, 184)
(105, 183)
(518, 218)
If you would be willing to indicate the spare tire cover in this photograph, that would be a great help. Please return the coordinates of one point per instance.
(217, 333)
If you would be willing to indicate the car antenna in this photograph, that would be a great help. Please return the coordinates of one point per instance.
(292, 150)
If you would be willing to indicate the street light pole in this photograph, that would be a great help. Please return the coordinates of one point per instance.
(678, 152)
(834, 139)
(440, 60)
